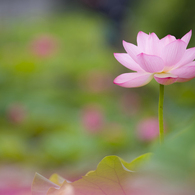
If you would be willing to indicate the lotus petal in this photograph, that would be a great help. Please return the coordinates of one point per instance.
(186, 38)
(173, 52)
(188, 57)
(132, 50)
(150, 63)
(133, 79)
(165, 79)
(186, 72)
(166, 40)
(127, 61)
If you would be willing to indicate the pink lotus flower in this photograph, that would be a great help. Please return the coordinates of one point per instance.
(44, 45)
(16, 113)
(166, 59)
(148, 129)
(92, 118)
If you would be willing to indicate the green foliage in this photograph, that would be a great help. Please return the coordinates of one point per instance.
(111, 177)
(44, 97)
(175, 159)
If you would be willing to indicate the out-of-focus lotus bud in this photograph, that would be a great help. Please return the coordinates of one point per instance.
(16, 113)
(44, 46)
(148, 129)
(92, 118)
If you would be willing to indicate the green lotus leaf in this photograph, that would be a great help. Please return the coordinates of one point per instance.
(111, 177)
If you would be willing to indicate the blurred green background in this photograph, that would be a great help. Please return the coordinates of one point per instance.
(59, 107)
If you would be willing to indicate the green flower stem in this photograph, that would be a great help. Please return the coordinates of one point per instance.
(160, 114)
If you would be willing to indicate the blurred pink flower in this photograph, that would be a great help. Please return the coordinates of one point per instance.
(166, 59)
(18, 191)
(92, 118)
(44, 46)
(148, 129)
(15, 180)
(16, 113)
